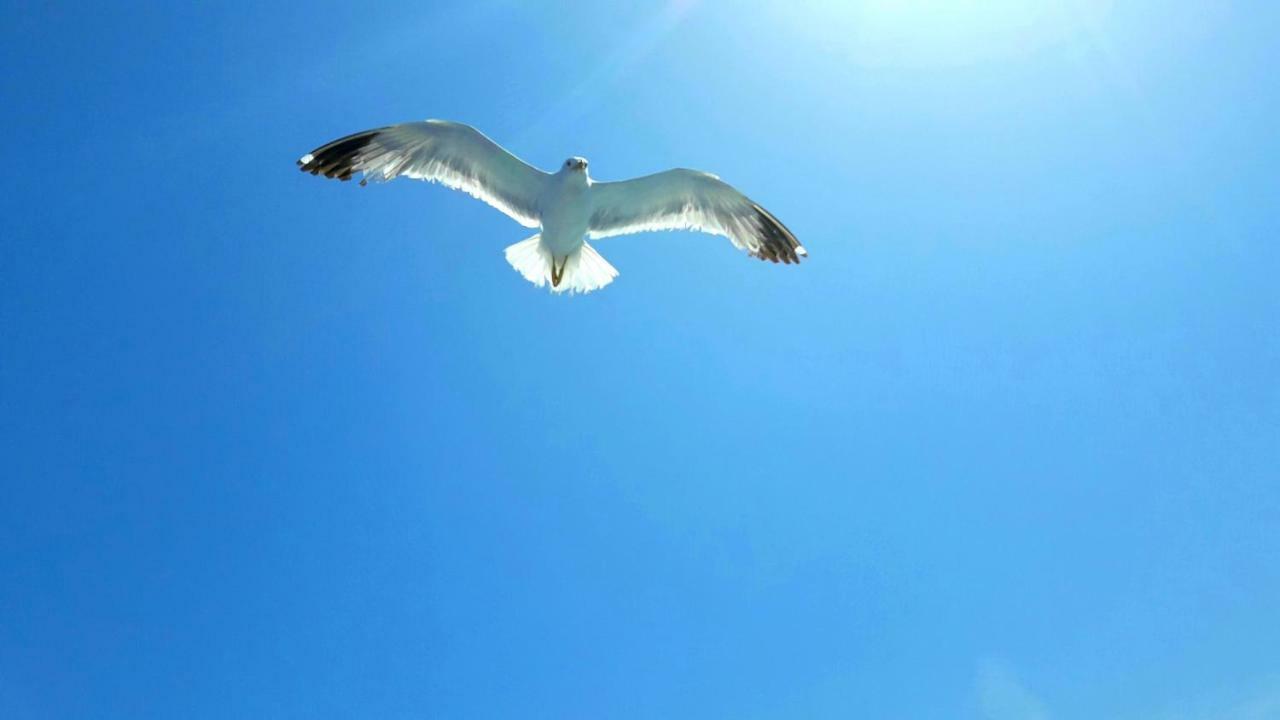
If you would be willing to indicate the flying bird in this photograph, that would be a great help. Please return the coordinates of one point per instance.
(567, 206)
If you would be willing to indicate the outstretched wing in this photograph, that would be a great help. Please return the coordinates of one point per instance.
(455, 155)
(690, 200)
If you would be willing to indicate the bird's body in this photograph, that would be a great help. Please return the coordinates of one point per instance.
(565, 211)
(567, 206)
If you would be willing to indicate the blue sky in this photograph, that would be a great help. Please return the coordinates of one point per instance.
(1006, 447)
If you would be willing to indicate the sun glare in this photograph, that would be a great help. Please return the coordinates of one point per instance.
(950, 32)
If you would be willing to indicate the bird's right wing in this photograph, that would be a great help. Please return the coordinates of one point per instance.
(455, 155)
(690, 200)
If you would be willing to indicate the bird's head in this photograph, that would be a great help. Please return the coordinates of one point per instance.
(575, 164)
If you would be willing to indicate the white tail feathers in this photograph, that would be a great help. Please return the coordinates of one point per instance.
(584, 270)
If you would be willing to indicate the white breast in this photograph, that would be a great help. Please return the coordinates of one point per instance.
(565, 211)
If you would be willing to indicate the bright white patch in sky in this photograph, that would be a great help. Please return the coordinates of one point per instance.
(928, 33)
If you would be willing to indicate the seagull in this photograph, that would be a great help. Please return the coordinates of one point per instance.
(567, 206)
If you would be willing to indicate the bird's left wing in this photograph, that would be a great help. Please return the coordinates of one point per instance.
(455, 155)
(690, 200)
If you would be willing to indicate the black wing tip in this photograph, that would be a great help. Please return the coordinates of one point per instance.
(338, 159)
(777, 243)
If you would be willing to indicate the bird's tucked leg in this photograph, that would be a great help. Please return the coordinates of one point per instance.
(556, 277)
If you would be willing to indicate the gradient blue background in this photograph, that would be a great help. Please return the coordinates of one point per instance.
(1006, 447)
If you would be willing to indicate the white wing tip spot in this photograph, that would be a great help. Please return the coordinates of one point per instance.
(306, 159)
(801, 251)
